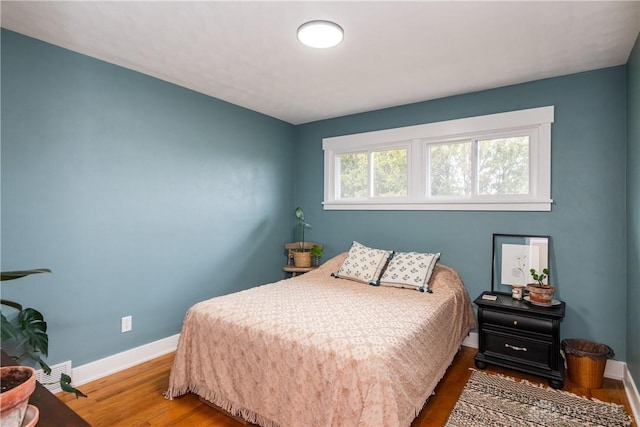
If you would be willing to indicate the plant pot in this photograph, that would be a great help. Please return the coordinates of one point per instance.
(541, 294)
(20, 382)
(302, 259)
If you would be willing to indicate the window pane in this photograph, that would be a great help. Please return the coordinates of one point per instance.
(450, 169)
(353, 175)
(503, 166)
(390, 173)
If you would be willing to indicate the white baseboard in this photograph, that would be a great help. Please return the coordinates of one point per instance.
(615, 370)
(632, 394)
(110, 365)
(471, 340)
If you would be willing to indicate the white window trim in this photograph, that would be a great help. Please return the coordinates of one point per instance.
(418, 136)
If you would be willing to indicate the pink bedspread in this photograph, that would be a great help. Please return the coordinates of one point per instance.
(319, 351)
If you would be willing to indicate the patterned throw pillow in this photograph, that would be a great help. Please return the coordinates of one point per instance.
(410, 270)
(363, 264)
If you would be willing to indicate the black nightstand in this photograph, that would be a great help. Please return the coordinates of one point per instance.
(519, 335)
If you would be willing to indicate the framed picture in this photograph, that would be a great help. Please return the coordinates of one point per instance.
(513, 256)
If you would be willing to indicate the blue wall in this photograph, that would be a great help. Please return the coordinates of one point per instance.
(141, 196)
(587, 222)
(633, 212)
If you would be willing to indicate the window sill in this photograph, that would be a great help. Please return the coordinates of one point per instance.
(520, 206)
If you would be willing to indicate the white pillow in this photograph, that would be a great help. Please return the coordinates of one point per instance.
(363, 264)
(410, 270)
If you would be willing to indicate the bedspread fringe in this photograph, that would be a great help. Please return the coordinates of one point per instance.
(223, 403)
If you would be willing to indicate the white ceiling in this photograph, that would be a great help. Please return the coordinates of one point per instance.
(393, 52)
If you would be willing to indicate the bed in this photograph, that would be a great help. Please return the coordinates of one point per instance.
(316, 350)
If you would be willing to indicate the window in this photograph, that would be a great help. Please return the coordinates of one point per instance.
(480, 167)
(495, 162)
(373, 174)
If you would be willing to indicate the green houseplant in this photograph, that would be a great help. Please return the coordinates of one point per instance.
(540, 292)
(29, 330)
(539, 277)
(302, 255)
(316, 252)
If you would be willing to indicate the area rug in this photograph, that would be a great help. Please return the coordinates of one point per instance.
(497, 401)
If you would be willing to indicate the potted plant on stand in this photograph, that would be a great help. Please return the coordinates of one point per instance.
(302, 255)
(316, 251)
(29, 330)
(540, 292)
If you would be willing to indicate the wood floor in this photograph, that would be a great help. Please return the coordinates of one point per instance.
(134, 397)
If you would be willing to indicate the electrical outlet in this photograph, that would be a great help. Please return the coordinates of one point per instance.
(126, 324)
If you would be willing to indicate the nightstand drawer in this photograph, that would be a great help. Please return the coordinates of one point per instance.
(526, 350)
(524, 323)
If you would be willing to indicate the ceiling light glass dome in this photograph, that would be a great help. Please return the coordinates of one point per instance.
(320, 34)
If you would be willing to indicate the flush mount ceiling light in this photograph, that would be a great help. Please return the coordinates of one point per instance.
(320, 34)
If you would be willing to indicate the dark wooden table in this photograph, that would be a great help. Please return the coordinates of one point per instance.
(53, 411)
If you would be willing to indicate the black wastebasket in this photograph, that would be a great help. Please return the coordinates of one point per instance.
(586, 361)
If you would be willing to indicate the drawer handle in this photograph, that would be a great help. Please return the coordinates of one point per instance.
(515, 323)
(513, 347)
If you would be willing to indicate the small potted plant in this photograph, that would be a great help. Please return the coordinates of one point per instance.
(316, 251)
(540, 292)
(302, 255)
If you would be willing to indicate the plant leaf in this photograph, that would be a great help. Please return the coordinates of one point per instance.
(35, 356)
(8, 330)
(316, 251)
(32, 324)
(299, 213)
(11, 275)
(65, 384)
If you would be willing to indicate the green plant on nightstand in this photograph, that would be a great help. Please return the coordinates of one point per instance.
(300, 227)
(539, 277)
(539, 292)
(301, 256)
(316, 252)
